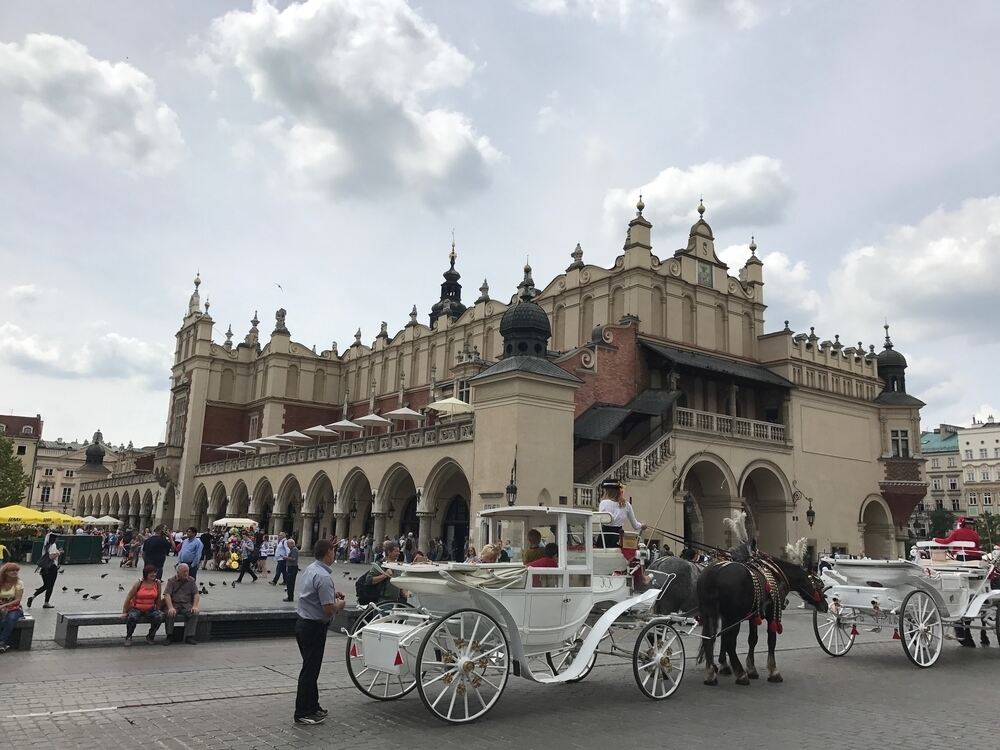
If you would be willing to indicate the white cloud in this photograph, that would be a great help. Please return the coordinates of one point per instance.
(88, 105)
(670, 17)
(352, 82)
(752, 191)
(106, 356)
(23, 293)
(786, 284)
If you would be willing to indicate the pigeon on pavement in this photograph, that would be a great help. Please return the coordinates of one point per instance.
(120, 588)
(95, 597)
(86, 595)
(65, 588)
(78, 590)
(104, 575)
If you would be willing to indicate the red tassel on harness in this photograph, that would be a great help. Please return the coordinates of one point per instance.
(756, 620)
(895, 634)
(854, 630)
(774, 627)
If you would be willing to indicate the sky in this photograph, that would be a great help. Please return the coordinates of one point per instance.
(318, 155)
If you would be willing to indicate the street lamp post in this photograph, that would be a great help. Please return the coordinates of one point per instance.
(511, 492)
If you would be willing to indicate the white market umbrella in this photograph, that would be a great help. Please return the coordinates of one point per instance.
(242, 447)
(372, 420)
(404, 413)
(320, 431)
(106, 521)
(451, 406)
(295, 437)
(258, 443)
(345, 425)
(274, 440)
(235, 522)
(90, 520)
(228, 449)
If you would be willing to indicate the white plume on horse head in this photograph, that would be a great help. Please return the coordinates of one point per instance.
(736, 524)
(796, 553)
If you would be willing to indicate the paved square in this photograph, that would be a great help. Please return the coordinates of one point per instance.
(240, 695)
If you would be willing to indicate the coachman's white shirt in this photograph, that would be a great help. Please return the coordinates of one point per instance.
(619, 513)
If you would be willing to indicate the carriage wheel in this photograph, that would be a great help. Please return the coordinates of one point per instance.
(463, 663)
(833, 629)
(561, 659)
(375, 683)
(658, 660)
(921, 629)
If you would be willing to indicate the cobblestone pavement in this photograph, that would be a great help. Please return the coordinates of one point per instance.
(240, 695)
(88, 578)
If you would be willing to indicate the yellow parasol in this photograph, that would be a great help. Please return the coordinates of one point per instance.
(61, 518)
(20, 514)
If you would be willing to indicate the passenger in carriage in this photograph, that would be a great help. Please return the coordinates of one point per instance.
(548, 559)
(963, 533)
(617, 506)
(535, 549)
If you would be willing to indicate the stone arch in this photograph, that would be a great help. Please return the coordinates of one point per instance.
(88, 506)
(288, 507)
(447, 495)
(115, 504)
(355, 499)
(320, 491)
(688, 319)
(658, 312)
(292, 382)
(319, 502)
(711, 484)
(81, 505)
(586, 319)
(237, 503)
(489, 344)
(216, 499)
(105, 505)
(146, 509)
(721, 329)
(544, 497)
(262, 503)
(877, 531)
(227, 384)
(766, 495)
(616, 305)
(749, 336)
(319, 386)
(559, 328)
(397, 498)
(200, 506)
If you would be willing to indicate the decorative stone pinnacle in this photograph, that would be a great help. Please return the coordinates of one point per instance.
(484, 292)
(888, 341)
(208, 304)
(753, 245)
(452, 255)
(786, 327)
(701, 207)
(253, 321)
(229, 334)
(197, 280)
(639, 206)
(577, 256)
(413, 317)
(383, 332)
(357, 337)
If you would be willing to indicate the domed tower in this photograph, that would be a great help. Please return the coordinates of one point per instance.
(450, 305)
(891, 367)
(94, 463)
(524, 326)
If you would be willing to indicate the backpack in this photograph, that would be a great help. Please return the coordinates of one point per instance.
(368, 592)
(408, 546)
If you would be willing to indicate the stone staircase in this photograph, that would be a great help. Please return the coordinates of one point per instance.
(626, 469)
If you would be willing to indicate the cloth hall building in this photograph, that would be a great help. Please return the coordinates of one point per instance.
(657, 370)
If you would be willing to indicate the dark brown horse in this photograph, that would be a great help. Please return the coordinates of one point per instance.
(731, 592)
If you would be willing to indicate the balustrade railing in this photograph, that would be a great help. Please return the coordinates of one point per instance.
(440, 434)
(625, 469)
(723, 424)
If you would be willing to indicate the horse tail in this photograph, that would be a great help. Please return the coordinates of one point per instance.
(708, 607)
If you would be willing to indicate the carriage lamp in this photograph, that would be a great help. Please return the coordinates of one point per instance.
(810, 514)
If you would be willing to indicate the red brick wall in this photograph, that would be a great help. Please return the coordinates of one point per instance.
(223, 425)
(902, 470)
(300, 416)
(620, 370)
(145, 463)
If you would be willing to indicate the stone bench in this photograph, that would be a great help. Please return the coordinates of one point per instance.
(24, 634)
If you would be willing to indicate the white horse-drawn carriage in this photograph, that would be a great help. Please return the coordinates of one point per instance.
(473, 625)
(917, 601)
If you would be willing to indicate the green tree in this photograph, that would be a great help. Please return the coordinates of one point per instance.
(941, 522)
(13, 479)
(988, 527)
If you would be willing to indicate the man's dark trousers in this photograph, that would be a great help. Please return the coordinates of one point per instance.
(279, 572)
(311, 637)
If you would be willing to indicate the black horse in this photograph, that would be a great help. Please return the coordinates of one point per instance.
(730, 592)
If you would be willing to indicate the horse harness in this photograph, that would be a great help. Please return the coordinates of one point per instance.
(767, 580)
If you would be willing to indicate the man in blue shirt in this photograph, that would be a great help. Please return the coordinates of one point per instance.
(280, 556)
(318, 602)
(191, 549)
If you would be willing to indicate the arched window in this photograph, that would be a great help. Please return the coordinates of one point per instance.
(687, 320)
(617, 305)
(488, 344)
(319, 386)
(657, 313)
(292, 383)
(749, 336)
(721, 334)
(558, 328)
(226, 385)
(586, 319)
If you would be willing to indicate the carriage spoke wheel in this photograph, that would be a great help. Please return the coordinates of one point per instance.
(921, 628)
(375, 683)
(463, 663)
(561, 659)
(833, 629)
(658, 660)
